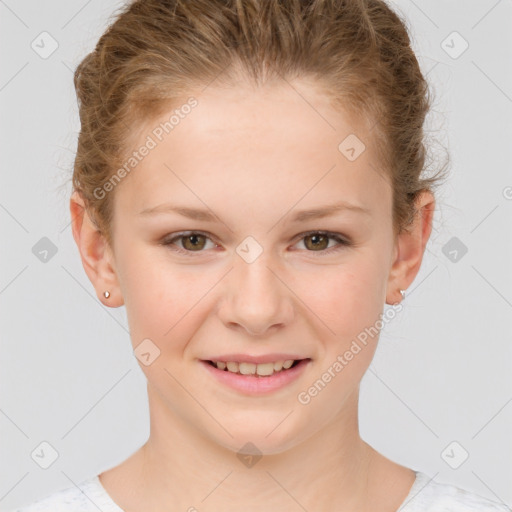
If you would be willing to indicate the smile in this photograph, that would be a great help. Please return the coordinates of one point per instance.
(256, 378)
(261, 369)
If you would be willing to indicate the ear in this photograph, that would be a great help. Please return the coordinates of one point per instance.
(410, 247)
(96, 254)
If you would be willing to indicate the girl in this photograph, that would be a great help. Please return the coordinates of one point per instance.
(248, 185)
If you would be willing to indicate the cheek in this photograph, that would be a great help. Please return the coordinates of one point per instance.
(154, 293)
(345, 298)
(165, 302)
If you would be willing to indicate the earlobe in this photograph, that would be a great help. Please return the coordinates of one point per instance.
(410, 248)
(97, 258)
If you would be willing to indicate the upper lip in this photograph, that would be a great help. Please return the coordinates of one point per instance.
(264, 358)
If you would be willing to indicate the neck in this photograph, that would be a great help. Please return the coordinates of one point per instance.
(181, 469)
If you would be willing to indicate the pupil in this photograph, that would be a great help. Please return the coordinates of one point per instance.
(317, 240)
(192, 239)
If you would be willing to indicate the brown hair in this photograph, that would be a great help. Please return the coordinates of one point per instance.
(157, 51)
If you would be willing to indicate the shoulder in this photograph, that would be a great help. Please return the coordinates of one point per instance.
(87, 496)
(426, 495)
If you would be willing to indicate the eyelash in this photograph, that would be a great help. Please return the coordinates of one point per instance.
(343, 242)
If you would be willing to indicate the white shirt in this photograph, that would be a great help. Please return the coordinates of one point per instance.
(424, 496)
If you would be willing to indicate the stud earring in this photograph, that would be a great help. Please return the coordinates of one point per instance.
(106, 294)
(403, 294)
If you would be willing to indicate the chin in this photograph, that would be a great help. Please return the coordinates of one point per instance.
(259, 437)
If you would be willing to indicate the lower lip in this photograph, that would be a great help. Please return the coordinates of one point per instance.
(255, 385)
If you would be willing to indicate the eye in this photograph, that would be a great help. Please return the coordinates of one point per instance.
(192, 241)
(318, 241)
(314, 241)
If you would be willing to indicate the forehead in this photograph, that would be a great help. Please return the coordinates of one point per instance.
(289, 110)
(275, 142)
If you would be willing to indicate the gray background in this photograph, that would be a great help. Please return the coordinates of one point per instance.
(442, 372)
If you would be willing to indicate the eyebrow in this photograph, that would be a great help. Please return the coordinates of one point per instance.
(300, 216)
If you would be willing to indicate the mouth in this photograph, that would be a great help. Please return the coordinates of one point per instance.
(256, 378)
(256, 369)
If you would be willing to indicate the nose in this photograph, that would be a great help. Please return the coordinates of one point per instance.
(256, 298)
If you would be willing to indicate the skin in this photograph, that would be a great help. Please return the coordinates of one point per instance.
(254, 157)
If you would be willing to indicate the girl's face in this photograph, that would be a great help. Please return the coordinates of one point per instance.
(238, 172)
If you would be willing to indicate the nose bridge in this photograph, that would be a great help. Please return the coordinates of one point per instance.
(256, 276)
(258, 298)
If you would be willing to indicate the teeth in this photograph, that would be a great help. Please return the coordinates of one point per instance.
(247, 368)
(278, 366)
(232, 367)
(265, 369)
(262, 369)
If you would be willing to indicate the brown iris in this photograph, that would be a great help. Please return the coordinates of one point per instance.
(191, 240)
(318, 242)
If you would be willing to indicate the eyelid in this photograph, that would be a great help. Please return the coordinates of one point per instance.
(342, 240)
(329, 234)
(169, 239)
